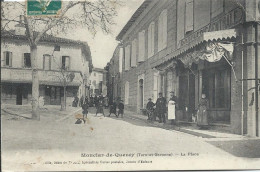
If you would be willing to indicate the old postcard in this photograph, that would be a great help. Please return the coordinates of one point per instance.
(119, 85)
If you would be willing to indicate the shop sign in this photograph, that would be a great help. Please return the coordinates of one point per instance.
(227, 21)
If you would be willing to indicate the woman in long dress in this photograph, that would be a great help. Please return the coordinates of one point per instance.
(202, 115)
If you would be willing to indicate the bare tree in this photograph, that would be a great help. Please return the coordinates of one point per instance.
(91, 14)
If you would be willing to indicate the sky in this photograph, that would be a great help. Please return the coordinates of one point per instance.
(102, 46)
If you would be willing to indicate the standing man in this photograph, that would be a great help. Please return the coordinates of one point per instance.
(100, 106)
(121, 108)
(161, 108)
(172, 105)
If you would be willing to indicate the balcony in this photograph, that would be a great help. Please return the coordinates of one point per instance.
(50, 77)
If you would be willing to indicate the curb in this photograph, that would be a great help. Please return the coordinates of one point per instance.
(176, 128)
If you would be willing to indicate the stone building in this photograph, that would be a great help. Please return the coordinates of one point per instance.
(97, 82)
(56, 57)
(114, 74)
(194, 47)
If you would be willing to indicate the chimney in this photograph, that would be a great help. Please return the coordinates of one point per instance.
(19, 28)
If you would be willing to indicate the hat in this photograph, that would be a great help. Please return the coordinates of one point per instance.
(160, 93)
(149, 99)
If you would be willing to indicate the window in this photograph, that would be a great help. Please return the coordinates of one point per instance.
(217, 7)
(162, 30)
(155, 86)
(100, 77)
(133, 56)
(188, 15)
(7, 59)
(126, 92)
(127, 57)
(65, 62)
(151, 40)
(121, 53)
(217, 85)
(46, 62)
(27, 60)
(141, 47)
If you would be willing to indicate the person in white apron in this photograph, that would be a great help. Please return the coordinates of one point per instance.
(172, 108)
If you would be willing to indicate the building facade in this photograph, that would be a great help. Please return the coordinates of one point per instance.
(57, 58)
(114, 74)
(97, 82)
(193, 47)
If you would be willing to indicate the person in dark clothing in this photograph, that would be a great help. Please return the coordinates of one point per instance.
(84, 110)
(75, 101)
(161, 108)
(100, 106)
(150, 109)
(121, 108)
(91, 101)
(95, 101)
(113, 109)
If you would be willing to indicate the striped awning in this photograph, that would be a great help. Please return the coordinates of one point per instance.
(193, 40)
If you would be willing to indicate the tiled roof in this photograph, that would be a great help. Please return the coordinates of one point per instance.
(52, 39)
(137, 13)
(45, 37)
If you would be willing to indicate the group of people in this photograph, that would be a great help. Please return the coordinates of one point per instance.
(113, 108)
(161, 107)
(100, 104)
(94, 101)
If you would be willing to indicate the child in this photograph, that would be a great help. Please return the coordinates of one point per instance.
(121, 108)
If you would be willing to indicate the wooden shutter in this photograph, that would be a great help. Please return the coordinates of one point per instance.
(189, 16)
(151, 40)
(141, 46)
(164, 31)
(180, 21)
(10, 59)
(160, 23)
(127, 57)
(4, 59)
(133, 55)
(217, 7)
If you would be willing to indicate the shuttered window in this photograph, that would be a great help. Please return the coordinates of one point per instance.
(217, 7)
(188, 15)
(127, 57)
(46, 62)
(121, 53)
(7, 60)
(155, 86)
(141, 47)
(65, 62)
(151, 40)
(162, 30)
(180, 21)
(27, 60)
(126, 92)
(133, 55)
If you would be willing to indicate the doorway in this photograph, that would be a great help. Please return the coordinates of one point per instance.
(187, 95)
(19, 95)
(141, 93)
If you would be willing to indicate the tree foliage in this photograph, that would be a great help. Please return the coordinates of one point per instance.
(90, 14)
